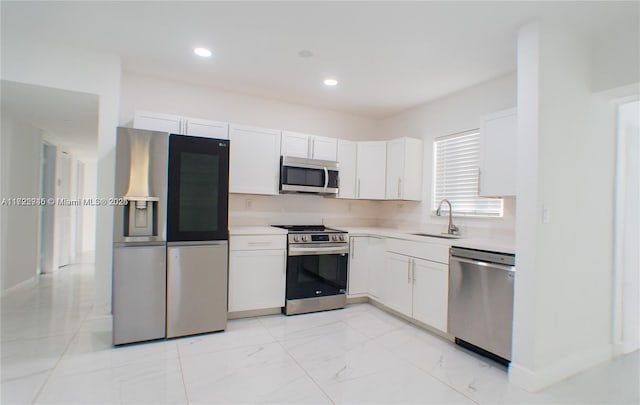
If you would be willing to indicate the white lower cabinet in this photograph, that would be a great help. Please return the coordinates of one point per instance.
(366, 266)
(417, 286)
(399, 288)
(358, 266)
(430, 293)
(257, 272)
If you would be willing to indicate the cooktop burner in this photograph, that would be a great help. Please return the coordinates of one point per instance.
(307, 228)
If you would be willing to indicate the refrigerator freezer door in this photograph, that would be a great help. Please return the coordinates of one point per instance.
(139, 281)
(196, 288)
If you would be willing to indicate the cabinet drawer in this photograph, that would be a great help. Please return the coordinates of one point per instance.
(258, 242)
(421, 250)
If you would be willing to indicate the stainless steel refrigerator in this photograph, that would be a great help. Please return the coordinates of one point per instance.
(171, 240)
(139, 237)
(197, 235)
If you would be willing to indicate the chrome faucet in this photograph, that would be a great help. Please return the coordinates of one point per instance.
(451, 229)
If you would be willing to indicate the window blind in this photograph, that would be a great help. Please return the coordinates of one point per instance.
(456, 162)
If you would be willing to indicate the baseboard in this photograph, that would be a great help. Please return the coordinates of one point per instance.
(357, 299)
(254, 313)
(534, 381)
(22, 284)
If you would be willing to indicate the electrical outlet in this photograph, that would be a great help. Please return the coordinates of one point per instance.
(248, 203)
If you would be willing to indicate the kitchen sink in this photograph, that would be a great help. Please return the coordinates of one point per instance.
(438, 235)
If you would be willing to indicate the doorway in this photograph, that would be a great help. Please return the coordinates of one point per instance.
(47, 214)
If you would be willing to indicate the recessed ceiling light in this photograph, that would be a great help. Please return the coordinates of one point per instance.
(330, 82)
(305, 53)
(204, 52)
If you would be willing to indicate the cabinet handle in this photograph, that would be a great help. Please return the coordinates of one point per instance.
(312, 149)
(409, 272)
(358, 189)
(260, 243)
(413, 271)
(186, 127)
(353, 249)
(479, 180)
(399, 187)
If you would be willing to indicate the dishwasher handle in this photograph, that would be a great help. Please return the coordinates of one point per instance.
(484, 264)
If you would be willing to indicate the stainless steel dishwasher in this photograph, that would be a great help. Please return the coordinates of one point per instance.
(480, 312)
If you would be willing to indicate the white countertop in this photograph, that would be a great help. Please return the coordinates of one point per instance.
(256, 230)
(491, 244)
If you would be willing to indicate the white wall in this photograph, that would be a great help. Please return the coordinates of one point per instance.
(455, 113)
(21, 169)
(87, 72)
(160, 95)
(562, 316)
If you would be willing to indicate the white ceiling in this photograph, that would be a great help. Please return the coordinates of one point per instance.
(388, 56)
(71, 117)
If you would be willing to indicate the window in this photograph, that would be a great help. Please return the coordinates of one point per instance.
(456, 159)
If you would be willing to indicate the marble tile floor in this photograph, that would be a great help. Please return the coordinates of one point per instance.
(54, 350)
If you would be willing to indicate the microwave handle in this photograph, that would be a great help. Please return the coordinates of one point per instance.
(326, 177)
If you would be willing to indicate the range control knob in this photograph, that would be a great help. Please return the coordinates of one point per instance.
(341, 238)
(305, 238)
(334, 237)
(296, 238)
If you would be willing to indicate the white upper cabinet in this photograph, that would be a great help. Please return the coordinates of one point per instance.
(206, 128)
(347, 158)
(157, 122)
(404, 169)
(295, 144)
(308, 146)
(254, 162)
(371, 170)
(498, 148)
(324, 148)
(176, 124)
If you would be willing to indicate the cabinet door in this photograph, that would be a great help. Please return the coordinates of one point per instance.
(157, 122)
(399, 288)
(254, 161)
(498, 148)
(404, 169)
(205, 128)
(358, 265)
(430, 292)
(295, 144)
(324, 148)
(347, 155)
(371, 170)
(256, 279)
(395, 169)
(377, 270)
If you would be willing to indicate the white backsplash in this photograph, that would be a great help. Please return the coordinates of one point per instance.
(305, 209)
(300, 209)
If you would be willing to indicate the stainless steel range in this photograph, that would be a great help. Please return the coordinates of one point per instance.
(317, 261)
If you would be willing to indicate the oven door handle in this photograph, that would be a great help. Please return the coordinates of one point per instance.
(305, 251)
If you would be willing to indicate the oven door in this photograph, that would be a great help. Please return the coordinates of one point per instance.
(316, 271)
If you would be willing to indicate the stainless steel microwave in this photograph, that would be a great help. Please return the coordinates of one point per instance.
(300, 175)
